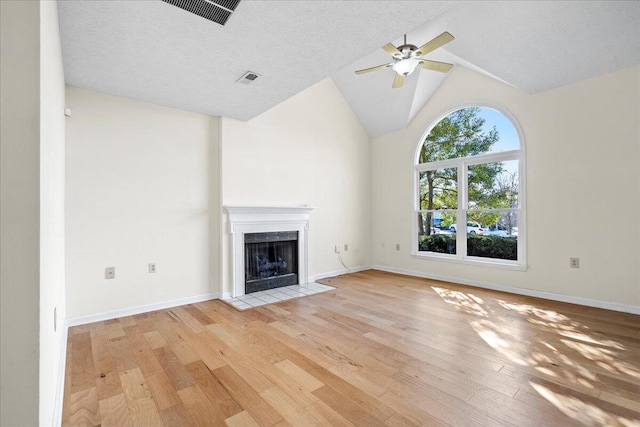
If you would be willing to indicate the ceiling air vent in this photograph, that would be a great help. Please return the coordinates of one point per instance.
(248, 78)
(217, 11)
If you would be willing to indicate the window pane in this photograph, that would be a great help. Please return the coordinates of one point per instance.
(439, 189)
(496, 238)
(434, 234)
(493, 185)
(469, 132)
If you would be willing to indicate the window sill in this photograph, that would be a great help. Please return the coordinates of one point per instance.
(506, 265)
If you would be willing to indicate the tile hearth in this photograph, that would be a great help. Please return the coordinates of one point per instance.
(256, 299)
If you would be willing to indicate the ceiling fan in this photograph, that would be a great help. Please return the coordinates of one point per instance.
(407, 57)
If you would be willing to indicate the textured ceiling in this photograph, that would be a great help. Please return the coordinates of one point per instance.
(531, 45)
(155, 52)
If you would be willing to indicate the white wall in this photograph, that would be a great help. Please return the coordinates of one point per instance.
(19, 212)
(310, 149)
(52, 134)
(583, 193)
(138, 191)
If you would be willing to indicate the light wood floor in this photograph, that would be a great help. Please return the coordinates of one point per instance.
(381, 349)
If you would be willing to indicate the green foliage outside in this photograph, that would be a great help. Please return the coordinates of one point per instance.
(440, 243)
(492, 247)
(461, 134)
(477, 245)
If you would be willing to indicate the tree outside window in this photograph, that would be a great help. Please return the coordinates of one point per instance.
(468, 184)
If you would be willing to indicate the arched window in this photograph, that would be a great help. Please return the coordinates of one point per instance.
(469, 204)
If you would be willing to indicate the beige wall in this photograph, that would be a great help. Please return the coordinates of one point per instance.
(52, 134)
(19, 212)
(32, 230)
(144, 184)
(308, 150)
(138, 191)
(583, 193)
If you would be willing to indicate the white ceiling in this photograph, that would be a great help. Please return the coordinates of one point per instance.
(155, 52)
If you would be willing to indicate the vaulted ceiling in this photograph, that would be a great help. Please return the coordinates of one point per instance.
(155, 52)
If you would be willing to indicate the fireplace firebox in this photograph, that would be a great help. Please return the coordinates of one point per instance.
(271, 260)
(245, 220)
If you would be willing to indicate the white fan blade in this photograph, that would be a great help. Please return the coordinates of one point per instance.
(398, 81)
(392, 50)
(441, 40)
(442, 67)
(377, 67)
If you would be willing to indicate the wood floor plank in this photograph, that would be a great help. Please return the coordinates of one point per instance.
(351, 374)
(203, 412)
(115, 330)
(108, 385)
(327, 416)
(268, 375)
(102, 356)
(212, 388)
(143, 353)
(243, 365)
(134, 385)
(247, 397)
(66, 407)
(162, 391)
(290, 410)
(308, 382)
(155, 339)
(380, 349)
(83, 373)
(184, 316)
(144, 412)
(174, 369)
(184, 352)
(241, 419)
(198, 343)
(84, 408)
(122, 352)
(349, 409)
(177, 416)
(115, 411)
(198, 315)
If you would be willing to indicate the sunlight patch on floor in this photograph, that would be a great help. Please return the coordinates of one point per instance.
(580, 411)
(552, 352)
(467, 302)
(497, 339)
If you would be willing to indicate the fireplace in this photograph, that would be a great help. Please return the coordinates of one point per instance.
(270, 260)
(278, 236)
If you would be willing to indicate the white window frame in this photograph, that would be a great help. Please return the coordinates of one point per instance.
(462, 164)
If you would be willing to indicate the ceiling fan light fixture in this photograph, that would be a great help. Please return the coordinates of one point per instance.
(406, 66)
(407, 57)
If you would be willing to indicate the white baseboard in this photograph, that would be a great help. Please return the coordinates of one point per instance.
(633, 309)
(98, 317)
(339, 272)
(57, 410)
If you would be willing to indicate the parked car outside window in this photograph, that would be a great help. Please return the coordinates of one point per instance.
(472, 228)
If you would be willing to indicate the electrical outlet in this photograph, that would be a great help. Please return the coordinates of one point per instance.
(152, 267)
(337, 249)
(346, 247)
(110, 273)
(574, 262)
(397, 246)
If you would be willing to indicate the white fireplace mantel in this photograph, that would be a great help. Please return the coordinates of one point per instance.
(265, 219)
